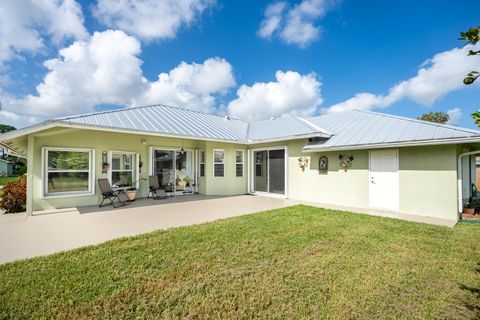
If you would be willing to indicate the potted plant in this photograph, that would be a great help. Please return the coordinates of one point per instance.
(131, 192)
(469, 210)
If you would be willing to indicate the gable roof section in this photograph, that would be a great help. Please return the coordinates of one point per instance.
(357, 129)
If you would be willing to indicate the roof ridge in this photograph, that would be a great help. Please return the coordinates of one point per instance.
(435, 124)
(141, 107)
(311, 125)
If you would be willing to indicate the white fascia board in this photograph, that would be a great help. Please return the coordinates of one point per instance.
(394, 144)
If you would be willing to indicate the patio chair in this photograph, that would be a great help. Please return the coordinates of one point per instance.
(111, 196)
(154, 190)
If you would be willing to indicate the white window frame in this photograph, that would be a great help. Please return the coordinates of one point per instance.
(242, 163)
(201, 162)
(222, 162)
(134, 168)
(91, 173)
(252, 172)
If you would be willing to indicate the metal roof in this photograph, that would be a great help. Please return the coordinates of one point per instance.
(365, 128)
(166, 120)
(187, 123)
(284, 126)
(350, 129)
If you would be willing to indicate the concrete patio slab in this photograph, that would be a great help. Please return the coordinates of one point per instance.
(42, 234)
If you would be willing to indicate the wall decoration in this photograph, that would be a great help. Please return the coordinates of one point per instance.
(345, 161)
(323, 164)
(303, 162)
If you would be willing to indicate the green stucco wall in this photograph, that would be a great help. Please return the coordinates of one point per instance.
(105, 141)
(427, 175)
(427, 179)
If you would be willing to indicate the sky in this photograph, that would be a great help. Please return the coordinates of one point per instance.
(251, 59)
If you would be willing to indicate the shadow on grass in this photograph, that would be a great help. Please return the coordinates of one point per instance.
(476, 292)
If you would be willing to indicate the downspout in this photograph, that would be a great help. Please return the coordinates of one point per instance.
(459, 178)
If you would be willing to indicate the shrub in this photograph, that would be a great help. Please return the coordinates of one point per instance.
(13, 196)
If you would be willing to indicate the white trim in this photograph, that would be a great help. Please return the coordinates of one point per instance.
(397, 205)
(242, 163)
(135, 169)
(152, 150)
(223, 162)
(392, 145)
(91, 173)
(249, 167)
(252, 172)
(460, 178)
(200, 162)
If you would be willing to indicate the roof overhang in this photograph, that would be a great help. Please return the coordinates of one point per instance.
(320, 148)
(62, 124)
(10, 150)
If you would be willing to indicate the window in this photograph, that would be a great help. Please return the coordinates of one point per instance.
(122, 173)
(218, 163)
(202, 163)
(258, 164)
(239, 163)
(68, 171)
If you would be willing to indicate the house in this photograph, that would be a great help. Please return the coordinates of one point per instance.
(356, 158)
(6, 168)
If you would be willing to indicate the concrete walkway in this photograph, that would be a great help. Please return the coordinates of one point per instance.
(58, 230)
(42, 234)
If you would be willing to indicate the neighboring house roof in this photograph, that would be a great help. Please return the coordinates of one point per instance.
(350, 129)
(357, 129)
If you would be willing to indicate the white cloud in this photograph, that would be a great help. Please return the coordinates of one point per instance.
(150, 19)
(436, 78)
(191, 85)
(454, 114)
(272, 20)
(105, 69)
(25, 25)
(296, 26)
(290, 93)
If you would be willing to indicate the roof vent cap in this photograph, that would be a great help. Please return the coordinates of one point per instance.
(227, 117)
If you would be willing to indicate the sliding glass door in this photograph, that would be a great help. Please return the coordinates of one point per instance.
(269, 171)
(174, 169)
(164, 169)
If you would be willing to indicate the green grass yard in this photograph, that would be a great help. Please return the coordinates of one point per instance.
(296, 262)
(5, 180)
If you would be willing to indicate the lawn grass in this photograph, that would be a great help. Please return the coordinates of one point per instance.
(5, 180)
(296, 262)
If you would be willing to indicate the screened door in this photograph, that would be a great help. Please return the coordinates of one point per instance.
(269, 171)
(276, 174)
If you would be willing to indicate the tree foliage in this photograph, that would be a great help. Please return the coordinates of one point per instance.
(472, 36)
(437, 117)
(6, 128)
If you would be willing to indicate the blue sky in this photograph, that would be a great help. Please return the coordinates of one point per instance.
(359, 47)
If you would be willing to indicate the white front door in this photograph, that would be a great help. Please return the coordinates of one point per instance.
(383, 180)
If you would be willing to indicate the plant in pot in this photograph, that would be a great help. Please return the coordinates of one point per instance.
(475, 203)
(131, 192)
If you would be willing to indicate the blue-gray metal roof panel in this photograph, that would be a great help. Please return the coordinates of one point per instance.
(353, 128)
(350, 128)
